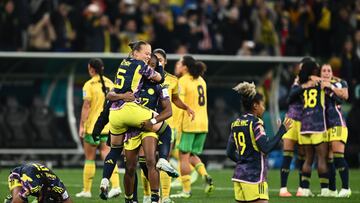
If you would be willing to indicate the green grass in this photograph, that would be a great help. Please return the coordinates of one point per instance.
(222, 194)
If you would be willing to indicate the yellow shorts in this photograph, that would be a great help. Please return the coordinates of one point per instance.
(135, 142)
(338, 133)
(313, 139)
(294, 132)
(130, 115)
(13, 183)
(251, 192)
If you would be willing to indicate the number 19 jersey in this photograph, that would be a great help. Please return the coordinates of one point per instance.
(193, 93)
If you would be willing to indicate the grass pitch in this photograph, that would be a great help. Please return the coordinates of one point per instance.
(223, 193)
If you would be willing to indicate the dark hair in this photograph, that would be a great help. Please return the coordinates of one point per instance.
(161, 52)
(307, 59)
(308, 68)
(98, 65)
(248, 93)
(153, 60)
(196, 68)
(136, 46)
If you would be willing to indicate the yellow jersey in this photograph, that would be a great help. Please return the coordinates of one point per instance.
(172, 84)
(92, 91)
(193, 93)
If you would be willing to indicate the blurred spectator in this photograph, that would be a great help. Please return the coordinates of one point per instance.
(42, 34)
(10, 35)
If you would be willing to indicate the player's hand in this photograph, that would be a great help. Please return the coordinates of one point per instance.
(147, 125)
(128, 97)
(191, 113)
(81, 132)
(325, 84)
(287, 123)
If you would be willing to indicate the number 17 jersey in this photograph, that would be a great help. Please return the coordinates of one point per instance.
(193, 93)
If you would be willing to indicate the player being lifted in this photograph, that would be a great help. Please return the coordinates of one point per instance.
(248, 146)
(36, 180)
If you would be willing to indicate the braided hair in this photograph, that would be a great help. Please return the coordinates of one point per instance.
(98, 65)
(248, 93)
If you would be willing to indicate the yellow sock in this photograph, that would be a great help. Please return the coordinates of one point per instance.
(146, 184)
(165, 181)
(88, 174)
(114, 179)
(200, 168)
(186, 182)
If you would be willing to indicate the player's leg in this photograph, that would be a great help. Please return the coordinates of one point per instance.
(341, 165)
(321, 151)
(332, 173)
(90, 147)
(115, 179)
(306, 171)
(288, 154)
(299, 164)
(129, 178)
(144, 176)
(149, 143)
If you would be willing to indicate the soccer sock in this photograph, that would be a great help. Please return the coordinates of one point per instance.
(115, 181)
(300, 163)
(135, 195)
(305, 180)
(165, 181)
(143, 166)
(110, 161)
(128, 197)
(165, 138)
(186, 182)
(88, 174)
(155, 195)
(285, 167)
(200, 168)
(343, 168)
(146, 184)
(324, 180)
(332, 174)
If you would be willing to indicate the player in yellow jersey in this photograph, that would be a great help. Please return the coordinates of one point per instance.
(193, 92)
(94, 92)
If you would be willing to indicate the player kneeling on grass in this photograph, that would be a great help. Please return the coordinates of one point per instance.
(248, 146)
(36, 180)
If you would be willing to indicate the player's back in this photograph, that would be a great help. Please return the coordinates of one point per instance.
(193, 92)
(251, 166)
(313, 116)
(333, 108)
(151, 94)
(171, 83)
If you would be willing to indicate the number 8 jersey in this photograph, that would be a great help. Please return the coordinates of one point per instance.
(193, 93)
(313, 116)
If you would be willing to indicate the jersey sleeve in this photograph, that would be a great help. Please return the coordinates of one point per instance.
(231, 151)
(258, 129)
(146, 70)
(163, 92)
(87, 94)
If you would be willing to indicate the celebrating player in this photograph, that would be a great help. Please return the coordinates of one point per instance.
(248, 146)
(36, 180)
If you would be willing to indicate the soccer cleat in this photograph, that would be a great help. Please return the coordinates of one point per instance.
(114, 192)
(129, 201)
(147, 199)
(8, 199)
(299, 192)
(209, 185)
(333, 193)
(104, 187)
(167, 200)
(84, 194)
(344, 193)
(177, 182)
(305, 192)
(284, 192)
(325, 192)
(164, 165)
(183, 194)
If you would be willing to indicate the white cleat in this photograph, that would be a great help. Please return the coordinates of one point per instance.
(164, 165)
(114, 192)
(333, 193)
(305, 193)
(84, 194)
(167, 200)
(344, 193)
(104, 188)
(325, 192)
(147, 199)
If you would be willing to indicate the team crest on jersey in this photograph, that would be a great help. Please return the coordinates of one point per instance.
(151, 91)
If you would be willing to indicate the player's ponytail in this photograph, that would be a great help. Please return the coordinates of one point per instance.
(98, 65)
(136, 46)
(195, 68)
(248, 93)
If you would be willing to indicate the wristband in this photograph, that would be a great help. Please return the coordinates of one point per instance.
(153, 121)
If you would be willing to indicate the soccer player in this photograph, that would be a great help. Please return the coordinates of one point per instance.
(248, 146)
(313, 130)
(94, 92)
(336, 91)
(193, 93)
(36, 180)
(171, 82)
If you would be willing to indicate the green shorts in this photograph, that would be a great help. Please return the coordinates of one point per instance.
(192, 142)
(89, 139)
(174, 132)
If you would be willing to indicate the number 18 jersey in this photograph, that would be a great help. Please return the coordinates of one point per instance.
(193, 93)
(313, 116)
